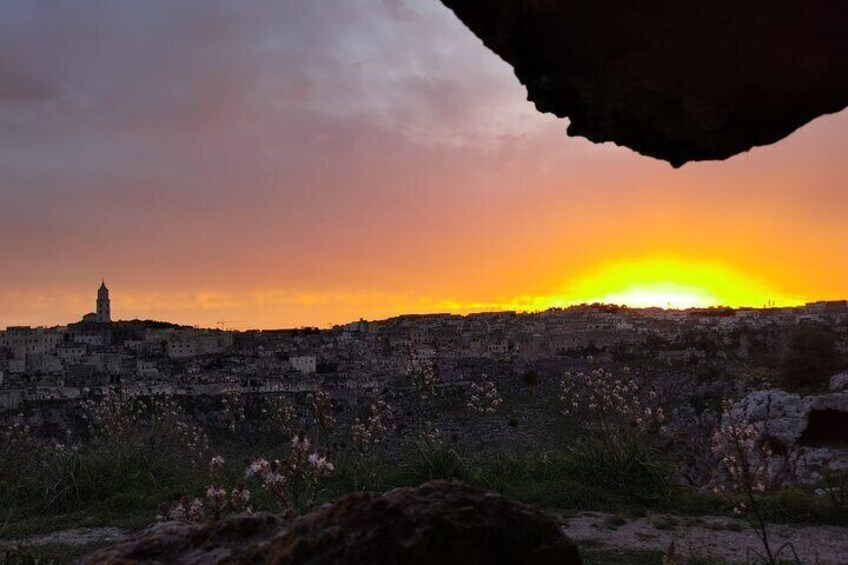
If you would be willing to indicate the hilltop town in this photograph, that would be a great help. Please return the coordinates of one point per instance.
(77, 360)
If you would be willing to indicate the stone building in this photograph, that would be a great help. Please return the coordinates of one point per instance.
(304, 363)
(23, 342)
(191, 343)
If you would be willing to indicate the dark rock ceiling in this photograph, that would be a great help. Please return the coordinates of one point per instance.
(679, 80)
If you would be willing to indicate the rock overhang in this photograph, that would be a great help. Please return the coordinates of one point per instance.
(678, 80)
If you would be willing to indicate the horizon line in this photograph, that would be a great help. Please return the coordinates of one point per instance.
(466, 314)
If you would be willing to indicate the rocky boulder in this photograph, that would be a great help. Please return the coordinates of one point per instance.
(811, 430)
(781, 415)
(438, 522)
(839, 382)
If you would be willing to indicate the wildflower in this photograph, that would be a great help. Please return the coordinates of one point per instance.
(184, 510)
(293, 481)
(373, 432)
(300, 442)
(319, 463)
(257, 468)
(217, 497)
(431, 434)
(359, 434)
(321, 407)
(748, 463)
(423, 378)
(240, 498)
(273, 480)
(215, 465)
(194, 512)
(282, 414)
(484, 397)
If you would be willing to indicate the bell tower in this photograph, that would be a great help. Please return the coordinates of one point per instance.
(104, 309)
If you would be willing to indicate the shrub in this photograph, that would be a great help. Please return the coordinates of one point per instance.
(372, 432)
(132, 447)
(615, 410)
(431, 461)
(321, 407)
(282, 416)
(634, 474)
(424, 378)
(484, 397)
(155, 433)
(749, 462)
(296, 480)
(18, 451)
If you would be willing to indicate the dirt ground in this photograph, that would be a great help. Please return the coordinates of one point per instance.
(711, 537)
(707, 537)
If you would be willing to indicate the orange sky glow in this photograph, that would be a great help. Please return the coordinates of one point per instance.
(311, 165)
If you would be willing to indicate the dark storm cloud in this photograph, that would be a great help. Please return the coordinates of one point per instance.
(147, 120)
(124, 66)
(147, 77)
(137, 64)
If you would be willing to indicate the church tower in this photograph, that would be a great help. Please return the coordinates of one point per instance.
(104, 309)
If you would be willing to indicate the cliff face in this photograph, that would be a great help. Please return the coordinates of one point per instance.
(679, 80)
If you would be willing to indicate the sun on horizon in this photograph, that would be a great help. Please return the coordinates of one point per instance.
(675, 283)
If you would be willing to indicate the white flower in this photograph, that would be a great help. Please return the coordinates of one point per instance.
(217, 495)
(320, 463)
(216, 464)
(299, 442)
(240, 496)
(257, 468)
(273, 480)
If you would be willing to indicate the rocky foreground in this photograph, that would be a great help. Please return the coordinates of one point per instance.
(438, 522)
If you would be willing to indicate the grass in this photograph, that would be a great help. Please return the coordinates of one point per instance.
(577, 479)
(47, 554)
(126, 510)
(665, 522)
(583, 477)
(123, 482)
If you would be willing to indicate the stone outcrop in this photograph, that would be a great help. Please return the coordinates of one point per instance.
(679, 80)
(811, 430)
(839, 382)
(438, 522)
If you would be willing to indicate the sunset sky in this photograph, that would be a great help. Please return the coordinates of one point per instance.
(272, 164)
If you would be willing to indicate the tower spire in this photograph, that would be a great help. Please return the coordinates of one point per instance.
(104, 307)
